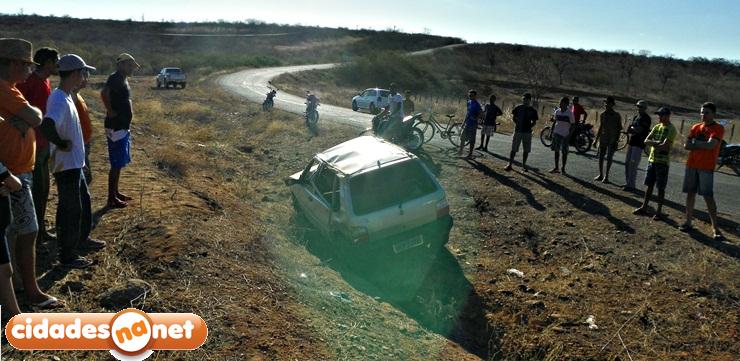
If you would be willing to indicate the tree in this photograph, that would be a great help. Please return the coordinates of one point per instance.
(561, 62)
(666, 71)
(491, 57)
(534, 69)
(628, 63)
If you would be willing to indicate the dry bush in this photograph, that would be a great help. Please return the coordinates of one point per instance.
(172, 160)
(192, 110)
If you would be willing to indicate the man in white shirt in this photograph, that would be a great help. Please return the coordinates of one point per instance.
(564, 121)
(61, 125)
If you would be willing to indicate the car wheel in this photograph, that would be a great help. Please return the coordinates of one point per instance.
(159, 85)
(354, 106)
(183, 85)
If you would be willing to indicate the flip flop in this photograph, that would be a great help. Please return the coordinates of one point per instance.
(52, 303)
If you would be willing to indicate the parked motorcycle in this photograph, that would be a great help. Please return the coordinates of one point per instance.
(269, 102)
(407, 136)
(582, 136)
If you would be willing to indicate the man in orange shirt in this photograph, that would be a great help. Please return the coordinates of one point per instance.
(703, 144)
(18, 153)
(86, 126)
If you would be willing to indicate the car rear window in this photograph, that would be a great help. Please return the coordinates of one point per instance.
(390, 186)
(174, 71)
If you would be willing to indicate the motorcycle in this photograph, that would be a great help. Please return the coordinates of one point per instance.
(269, 103)
(582, 136)
(407, 136)
(312, 114)
(729, 155)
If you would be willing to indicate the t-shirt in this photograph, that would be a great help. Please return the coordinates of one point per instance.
(36, 91)
(17, 151)
(578, 111)
(524, 118)
(563, 122)
(640, 128)
(610, 125)
(705, 159)
(396, 106)
(660, 133)
(61, 109)
(492, 111)
(120, 101)
(84, 115)
(474, 110)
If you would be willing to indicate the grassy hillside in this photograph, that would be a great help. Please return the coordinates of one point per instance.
(206, 47)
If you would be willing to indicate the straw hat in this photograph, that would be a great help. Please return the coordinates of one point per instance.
(16, 49)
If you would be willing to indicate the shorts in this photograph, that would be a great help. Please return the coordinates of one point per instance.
(521, 138)
(607, 149)
(21, 205)
(488, 130)
(119, 151)
(559, 143)
(469, 132)
(657, 175)
(698, 181)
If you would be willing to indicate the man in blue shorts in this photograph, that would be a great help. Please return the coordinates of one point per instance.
(116, 96)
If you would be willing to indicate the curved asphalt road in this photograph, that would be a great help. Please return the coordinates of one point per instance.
(253, 85)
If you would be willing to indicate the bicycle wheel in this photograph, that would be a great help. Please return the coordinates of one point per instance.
(624, 139)
(455, 134)
(546, 137)
(427, 129)
(583, 143)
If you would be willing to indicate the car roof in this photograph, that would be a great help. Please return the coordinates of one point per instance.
(381, 89)
(169, 67)
(362, 153)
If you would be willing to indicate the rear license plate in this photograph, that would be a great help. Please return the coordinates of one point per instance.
(408, 244)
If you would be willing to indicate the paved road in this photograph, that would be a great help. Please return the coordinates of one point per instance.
(253, 85)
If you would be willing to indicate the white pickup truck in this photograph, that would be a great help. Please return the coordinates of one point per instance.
(171, 76)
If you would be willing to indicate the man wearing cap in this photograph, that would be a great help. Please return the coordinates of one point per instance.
(116, 96)
(36, 89)
(703, 144)
(610, 126)
(524, 117)
(661, 139)
(638, 131)
(61, 126)
(17, 154)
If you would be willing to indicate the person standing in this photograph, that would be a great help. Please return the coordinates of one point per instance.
(116, 96)
(564, 121)
(8, 184)
(489, 122)
(579, 113)
(18, 155)
(408, 104)
(638, 131)
(36, 90)
(608, 136)
(525, 117)
(61, 126)
(703, 144)
(472, 116)
(86, 126)
(660, 139)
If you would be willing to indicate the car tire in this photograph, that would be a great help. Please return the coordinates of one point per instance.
(354, 106)
(159, 85)
(183, 85)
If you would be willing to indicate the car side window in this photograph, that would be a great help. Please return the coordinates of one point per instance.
(385, 94)
(366, 93)
(310, 169)
(326, 183)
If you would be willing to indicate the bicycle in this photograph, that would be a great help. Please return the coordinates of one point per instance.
(430, 126)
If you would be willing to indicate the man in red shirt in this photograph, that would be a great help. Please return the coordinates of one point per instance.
(36, 90)
(578, 111)
(703, 144)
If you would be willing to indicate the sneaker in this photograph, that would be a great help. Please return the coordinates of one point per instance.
(93, 244)
(78, 262)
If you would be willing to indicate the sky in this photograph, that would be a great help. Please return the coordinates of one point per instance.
(682, 28)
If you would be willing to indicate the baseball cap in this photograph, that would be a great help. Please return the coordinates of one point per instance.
(663, 111)
(71, 62)
(641, 103)
(127, 56)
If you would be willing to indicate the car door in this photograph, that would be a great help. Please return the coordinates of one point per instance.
(325, 183)
(304, 190)
(363, 101)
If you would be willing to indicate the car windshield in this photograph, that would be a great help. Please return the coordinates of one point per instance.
(174, 71)
(390, 186)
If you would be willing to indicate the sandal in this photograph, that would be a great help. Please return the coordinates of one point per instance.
(79, 262)
(51, 303)
(123, 197)
(116, 203)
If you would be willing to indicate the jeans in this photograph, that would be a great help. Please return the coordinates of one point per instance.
(634, 155)
(74, 213)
